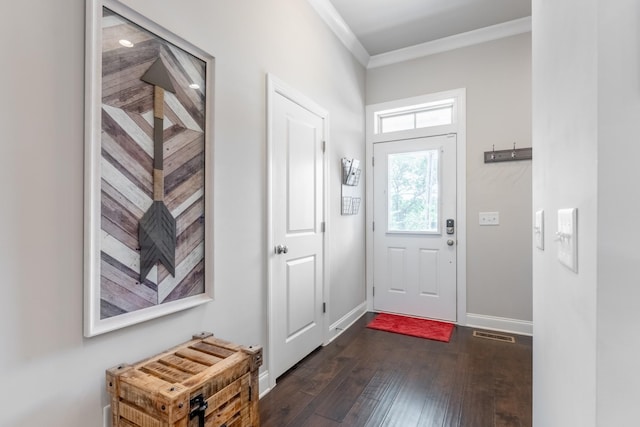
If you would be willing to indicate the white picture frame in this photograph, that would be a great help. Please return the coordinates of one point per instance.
(117, 167)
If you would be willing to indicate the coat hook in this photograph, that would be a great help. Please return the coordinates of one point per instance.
(508, 155)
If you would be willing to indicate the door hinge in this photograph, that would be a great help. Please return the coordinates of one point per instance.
(324, 307)
(322, 227)
(373, 161)
(374, 290)
(324, 146)
(373, 226)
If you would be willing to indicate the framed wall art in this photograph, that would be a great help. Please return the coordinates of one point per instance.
(148, 170)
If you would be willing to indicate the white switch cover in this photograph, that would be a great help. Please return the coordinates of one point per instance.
(567, 237)
(489, 218)
(538, 230)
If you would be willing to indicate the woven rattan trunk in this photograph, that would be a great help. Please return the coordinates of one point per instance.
(203, 382)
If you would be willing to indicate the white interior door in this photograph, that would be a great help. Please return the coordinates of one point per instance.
(414, 248)
(297, 214)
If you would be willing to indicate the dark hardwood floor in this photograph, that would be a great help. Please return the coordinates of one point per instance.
(374, 378)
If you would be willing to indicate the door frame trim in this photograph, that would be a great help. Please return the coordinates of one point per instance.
(276, 87)
(459, 128)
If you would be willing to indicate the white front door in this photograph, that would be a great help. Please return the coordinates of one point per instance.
(414, 247)
(296, 309)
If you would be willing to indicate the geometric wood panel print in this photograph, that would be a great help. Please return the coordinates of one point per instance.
(149, 162)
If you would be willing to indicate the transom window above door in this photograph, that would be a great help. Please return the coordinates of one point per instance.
(419, 116)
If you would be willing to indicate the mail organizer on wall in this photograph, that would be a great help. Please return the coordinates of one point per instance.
(514, 154)
(203, 382)
(350, 179)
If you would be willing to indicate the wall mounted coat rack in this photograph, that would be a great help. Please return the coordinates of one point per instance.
(514, 154)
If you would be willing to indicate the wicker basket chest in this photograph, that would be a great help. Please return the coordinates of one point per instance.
(203, 382)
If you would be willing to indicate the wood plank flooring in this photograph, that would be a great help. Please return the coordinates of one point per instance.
(374, 378)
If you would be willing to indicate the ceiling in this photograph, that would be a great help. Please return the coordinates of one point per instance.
(387, 25)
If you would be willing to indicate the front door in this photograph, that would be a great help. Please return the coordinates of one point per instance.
(415, 227)
(297, 135)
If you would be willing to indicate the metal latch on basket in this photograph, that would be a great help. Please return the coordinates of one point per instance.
(198, 408)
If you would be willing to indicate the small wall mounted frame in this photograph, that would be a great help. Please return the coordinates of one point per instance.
(145, 146)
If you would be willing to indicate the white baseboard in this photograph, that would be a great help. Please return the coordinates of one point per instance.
(263, 384)
(347, 320)
(501, 324)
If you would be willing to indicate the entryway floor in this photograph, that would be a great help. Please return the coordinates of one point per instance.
(373, 378)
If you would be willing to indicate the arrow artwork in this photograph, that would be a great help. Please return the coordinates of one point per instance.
(157, 227)
(148, 180)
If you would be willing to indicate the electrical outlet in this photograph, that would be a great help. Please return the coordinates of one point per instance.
(106, 416)
(489, 218)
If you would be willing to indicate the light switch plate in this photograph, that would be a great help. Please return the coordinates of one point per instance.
(538, 230)
(567, 237)
(489, 218)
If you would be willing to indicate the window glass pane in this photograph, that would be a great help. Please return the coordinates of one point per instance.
(413, 191)
(415, 117)
(396, 123)
(437, 117)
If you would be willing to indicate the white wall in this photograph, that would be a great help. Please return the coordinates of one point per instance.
(52, 375)
(565, 176)
(586, 109)
(618, 340)
(497, 76)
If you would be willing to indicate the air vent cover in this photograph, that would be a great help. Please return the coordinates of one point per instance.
(494, 336)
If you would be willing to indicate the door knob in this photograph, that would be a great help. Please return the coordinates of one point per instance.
(450, 242)
(281, 249)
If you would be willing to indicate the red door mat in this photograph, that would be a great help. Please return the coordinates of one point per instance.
(421, 328)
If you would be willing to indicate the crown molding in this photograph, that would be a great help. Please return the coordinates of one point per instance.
(330, 15)
(482, 35)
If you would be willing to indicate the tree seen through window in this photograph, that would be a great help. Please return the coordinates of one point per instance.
(413, 191)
